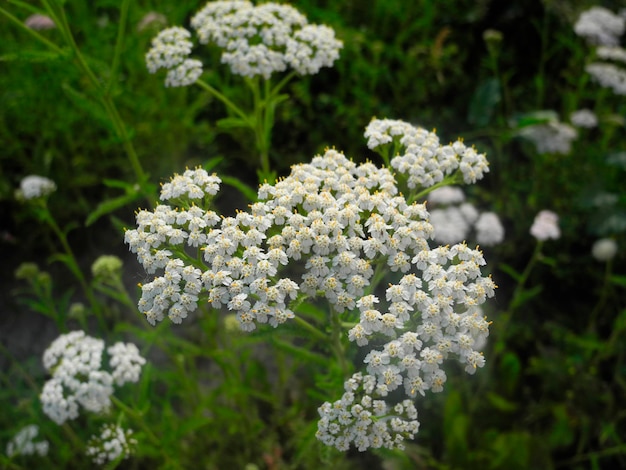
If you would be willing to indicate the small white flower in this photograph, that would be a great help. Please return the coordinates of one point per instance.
(600, 26)
(545, 226)
(23, 443)
(489, 229)
(604, 249)
(584, 118)
(34, 186)
(112, 443)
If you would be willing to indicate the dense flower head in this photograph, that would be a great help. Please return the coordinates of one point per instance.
(23, 443)
(604, 249)
(323, 231)
(39, 22)
(265, 39)
(107, 267)
(545, 226)
(455, 220)
(112, 443)
(35, 186)
(550, 137)
(170, 51)
(584, 118)
(419, 155)
(608, 75)
(75, 362)
(600, 26)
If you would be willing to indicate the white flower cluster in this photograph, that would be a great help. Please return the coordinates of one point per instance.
(358, 418)
(545, 226)
(267, 38)
(454, 222)
(604, 249)
(112, 443)
(75, 363)
(23, 443)
(600, 26)
(170, 51)
(425, 161)
(584, 118)
(35, 186)
(550, 137)
(338, 221)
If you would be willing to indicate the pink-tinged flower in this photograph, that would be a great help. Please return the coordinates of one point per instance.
(546, 225)
(151, 19)
(39, 22)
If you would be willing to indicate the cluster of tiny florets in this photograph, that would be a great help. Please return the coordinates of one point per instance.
(321, 232)
(170, 51)
(550, 137)
(75, 362)
(35, 186)
(600, 26)
(23, 443)
(112, 443)
(453, 218)
(419, 154)
(546, 226)
(584, 118)
(265, 39)
(358, 419)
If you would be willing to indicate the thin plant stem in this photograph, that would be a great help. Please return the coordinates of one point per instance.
(229, 104)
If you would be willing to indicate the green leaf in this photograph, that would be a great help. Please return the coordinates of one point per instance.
(536, 117)
(233, 123)
(618, 280)
(31, 56)
(110, 205)
(501, 403)
(525, 296)
(300, 353)
(81, 101)
(510, 271)
(483, 103)
(242, 187)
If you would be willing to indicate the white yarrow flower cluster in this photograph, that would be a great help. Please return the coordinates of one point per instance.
(265, 39)
(453, 219)
(584, 118)
(424, 160)
(550, 137)
(112, 443)
(170, 51)
(335, 220)
(23, 443)
(546, 226)
(35, 186)
(604, 249)
(126, 363)
(600, 26)
(78, 380)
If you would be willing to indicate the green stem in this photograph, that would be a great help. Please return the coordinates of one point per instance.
(310, 328)
(603, 297)
(121, 33)
(229, 104)
(32, 32)
(336, 344)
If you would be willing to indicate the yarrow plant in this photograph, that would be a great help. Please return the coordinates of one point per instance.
(78, 380)
(330, 230)
(256, 43)
(23, 443)
(113, 444)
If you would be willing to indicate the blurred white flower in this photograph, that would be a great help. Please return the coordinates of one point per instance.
(584, 118)
(34, 186)
(23, 443)
(489, 229)
(545, 226)
(112, 443)
(600, 26)
(604, 249)
(39, 22)
(608, 76)
(550, 137)
(446, 195)
(151, 19)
